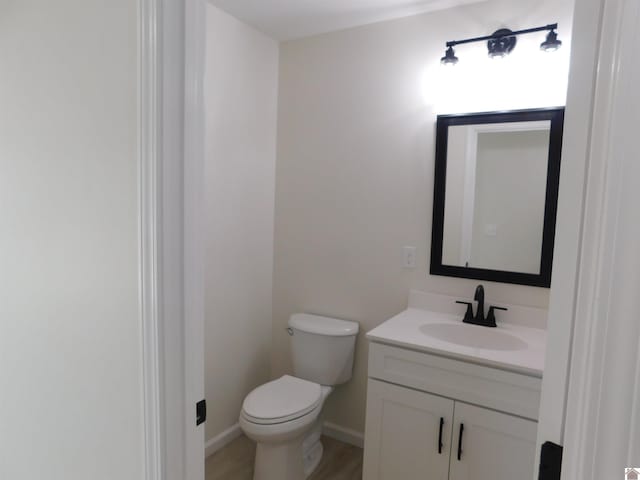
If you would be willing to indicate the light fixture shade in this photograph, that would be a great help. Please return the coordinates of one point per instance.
(449, 58)
(551, 44)
(502, 44)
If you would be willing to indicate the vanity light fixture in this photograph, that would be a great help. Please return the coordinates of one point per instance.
(501, 42)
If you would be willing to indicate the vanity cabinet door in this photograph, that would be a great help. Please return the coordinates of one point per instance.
(494, 446)
(403, 434)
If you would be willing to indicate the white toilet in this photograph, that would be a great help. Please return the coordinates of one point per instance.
(283, 416)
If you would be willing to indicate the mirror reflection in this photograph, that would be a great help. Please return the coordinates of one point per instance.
(495, 195)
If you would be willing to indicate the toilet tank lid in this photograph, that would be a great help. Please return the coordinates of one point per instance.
(306, 322)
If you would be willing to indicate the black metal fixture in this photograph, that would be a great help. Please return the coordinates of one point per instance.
(449, 57)
(479, 318)
(551, 44)
(501, 42)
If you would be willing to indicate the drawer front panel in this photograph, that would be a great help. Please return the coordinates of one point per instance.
(485, 386)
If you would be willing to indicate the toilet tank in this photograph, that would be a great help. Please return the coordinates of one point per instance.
(322, 348)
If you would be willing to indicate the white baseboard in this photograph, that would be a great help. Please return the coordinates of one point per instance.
(329, 429)
(222, 439)
(343, 434)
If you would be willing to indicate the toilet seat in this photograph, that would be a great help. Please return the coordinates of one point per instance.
(281, 400)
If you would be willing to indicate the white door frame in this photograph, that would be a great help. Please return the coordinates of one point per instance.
(194, 225)
(603, 424)
(562, 302)
(591, 386)
(171, 46)
(468, 195)
(150, 262)
(584, 47)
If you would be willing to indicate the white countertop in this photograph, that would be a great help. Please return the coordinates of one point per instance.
(404, 330)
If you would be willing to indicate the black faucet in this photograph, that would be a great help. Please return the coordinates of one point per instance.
(479, 318)
(479, 297)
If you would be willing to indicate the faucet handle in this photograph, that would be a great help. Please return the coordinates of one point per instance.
(469, 313)
(491, 316)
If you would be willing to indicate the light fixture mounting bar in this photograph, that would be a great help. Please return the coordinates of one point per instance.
(551, 26)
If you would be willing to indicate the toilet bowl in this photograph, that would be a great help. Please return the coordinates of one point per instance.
(284, 416)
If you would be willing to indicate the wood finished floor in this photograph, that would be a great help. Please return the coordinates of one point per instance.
(235, 461)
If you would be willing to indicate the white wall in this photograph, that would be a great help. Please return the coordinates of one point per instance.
(241, 84)
(70, 359)
(355, 163)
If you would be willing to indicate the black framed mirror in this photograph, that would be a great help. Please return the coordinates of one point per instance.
(496, 195)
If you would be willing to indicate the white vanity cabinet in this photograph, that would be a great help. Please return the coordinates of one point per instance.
(410, 394)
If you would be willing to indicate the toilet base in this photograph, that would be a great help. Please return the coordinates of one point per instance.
(296, 459)
(312, 458)
(279, 461)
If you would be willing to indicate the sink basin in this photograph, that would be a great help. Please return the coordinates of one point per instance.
(473, 336)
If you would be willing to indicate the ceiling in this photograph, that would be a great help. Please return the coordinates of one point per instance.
(288, 19)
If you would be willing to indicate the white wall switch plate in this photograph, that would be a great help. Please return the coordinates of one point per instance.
(409, 257)
(491, 229)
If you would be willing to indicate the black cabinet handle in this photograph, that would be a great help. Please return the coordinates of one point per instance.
(460, 441)
(440, 435)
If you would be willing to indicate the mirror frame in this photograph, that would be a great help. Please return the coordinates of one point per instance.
(543, 279)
